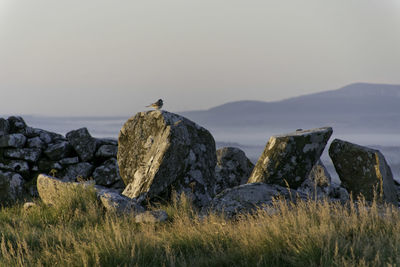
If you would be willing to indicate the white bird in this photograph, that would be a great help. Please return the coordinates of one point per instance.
(157, 105)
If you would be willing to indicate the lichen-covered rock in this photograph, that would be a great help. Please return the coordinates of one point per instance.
(317, 183)
(83, 143)
(152, 216)
(159, 151)
(247, 198)
(4, 127)
(11, 187)
(28, 154)
(58, 151)
(15, 165)
(35, 142)
(13, 140)
(233, 168)
(107, 151)
(107, 174)
(363, 170)
(289, 158)
(50, 189)
(81, 170)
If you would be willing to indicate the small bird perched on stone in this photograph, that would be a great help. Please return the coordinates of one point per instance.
(157, 105)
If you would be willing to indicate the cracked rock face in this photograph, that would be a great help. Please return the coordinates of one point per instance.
(159, 151)
(233, 168)
(290, 158)
(247, 198)
(363, 170)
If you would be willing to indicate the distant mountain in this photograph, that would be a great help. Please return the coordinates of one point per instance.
(359, 106)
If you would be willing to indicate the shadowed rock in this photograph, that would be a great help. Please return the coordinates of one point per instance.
(290, 157)
(80, 170)
(11, 187)
(363, 170)
(13, 140)
(160, 151)
(58, 151)
(107, 174)
(83, 143)
(28, 154)
(317, 183)
(4, 127)
(233, 168)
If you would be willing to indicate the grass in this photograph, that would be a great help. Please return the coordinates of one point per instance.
(77, 232)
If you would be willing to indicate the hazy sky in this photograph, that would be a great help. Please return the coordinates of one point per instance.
(98, 57)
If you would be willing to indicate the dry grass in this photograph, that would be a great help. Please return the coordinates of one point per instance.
(78, 233)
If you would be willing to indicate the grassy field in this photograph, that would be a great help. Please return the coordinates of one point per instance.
(76, 232)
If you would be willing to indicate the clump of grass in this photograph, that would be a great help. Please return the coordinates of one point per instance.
(77, 232)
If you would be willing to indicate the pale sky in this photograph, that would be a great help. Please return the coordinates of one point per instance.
(113, 57)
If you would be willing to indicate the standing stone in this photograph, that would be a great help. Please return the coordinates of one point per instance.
(83, 143)
(159, 151)
(13, 140)
(58, 151)
(107, 174)
(363, 170)
(4, 127)
(290, 158)
(233, 168)
(28, 154)
(11, 187)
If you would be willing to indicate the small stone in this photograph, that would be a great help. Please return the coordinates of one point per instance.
(107, 151)
(13, 140)
(69, 161)
(58, 151)
(81, 170)
(83, 143)
(29, 205)
(35, 142)
(153, 216)
(28, 154)
(107, 174)
(15, 165)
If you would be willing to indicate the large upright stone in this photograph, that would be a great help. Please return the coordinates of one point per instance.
(363, 170)
(83, 143)
(289, 158)
(160, 151)
(233, 168)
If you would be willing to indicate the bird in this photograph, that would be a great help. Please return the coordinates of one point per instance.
(157, 105)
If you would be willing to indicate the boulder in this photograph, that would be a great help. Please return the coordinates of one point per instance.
(17, 124)
(363, 170)
(107, 151)
(4, 127)
(317, 183)
(35, 142)
(83, 143)
(11, 187)
(50, 189)
(28, 154)
(58, 151)
(233, 168)
(81, 170)
(159, 151)
(288, 159)
(13, 140)
(107, 174)
(247, 198)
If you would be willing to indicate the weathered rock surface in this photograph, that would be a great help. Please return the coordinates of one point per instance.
(4, 127)
(83, 143)
(15, 165)
(363, 170)
(13, 140)
(35, 142)
(107, 151)
(290, 157)
(11, 187)
(317, 183)
(107, 174)
(58, 151)
(51, 188)
(233, 168)
(159, 151)
(81, 170)
(247, 198)
(28, 154)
